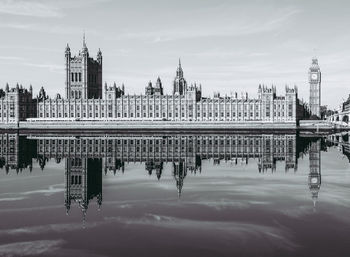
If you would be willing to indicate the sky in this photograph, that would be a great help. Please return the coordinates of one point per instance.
(226, 46)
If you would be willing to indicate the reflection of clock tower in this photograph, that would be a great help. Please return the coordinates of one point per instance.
(315, 169)
(315, 88)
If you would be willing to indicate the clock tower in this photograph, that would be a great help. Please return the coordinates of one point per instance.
(315, 88)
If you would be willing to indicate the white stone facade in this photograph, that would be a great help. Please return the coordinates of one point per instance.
(315, 88)
(267, 107)
(87, 100)
(186, 103)
(16, 104)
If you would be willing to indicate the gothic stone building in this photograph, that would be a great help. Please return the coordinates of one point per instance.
(315, 88)
(85, 101)
(16, 104)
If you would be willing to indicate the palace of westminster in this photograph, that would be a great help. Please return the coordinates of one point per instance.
(86, 99)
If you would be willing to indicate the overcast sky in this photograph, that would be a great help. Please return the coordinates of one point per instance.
(224, 45)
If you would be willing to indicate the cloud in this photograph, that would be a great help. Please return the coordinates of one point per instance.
(51, 67)
(47, 28)
(239, 27)
(30, 248)
(9, 199)
(30, 8)
(11, 58)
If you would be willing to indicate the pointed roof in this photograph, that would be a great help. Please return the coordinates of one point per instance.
(179, 71)
(85, 49)
(314, 64)
(84, 43)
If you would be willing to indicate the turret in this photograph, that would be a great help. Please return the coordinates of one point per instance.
(68, 81)
(179, 71)
(158, 90)
(85, 50)
(149, 89)
(42, 94)
(180, 83)
(67, 51)
(99, 56)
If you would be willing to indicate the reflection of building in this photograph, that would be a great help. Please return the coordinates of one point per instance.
(315, 169)
(16, 152)
(341, 140)
(190, 149)
(83, 180)
(186, 152)
(179, 173)
(278, 148)
(87, 157)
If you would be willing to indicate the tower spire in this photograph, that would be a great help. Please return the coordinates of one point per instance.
(179, 63)
(84, 44)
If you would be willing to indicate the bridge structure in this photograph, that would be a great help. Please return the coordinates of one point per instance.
(340, 118)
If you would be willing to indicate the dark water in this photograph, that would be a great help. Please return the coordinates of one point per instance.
(174, 195)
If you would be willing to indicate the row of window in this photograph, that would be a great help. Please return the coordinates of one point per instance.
(245, 142)
(76, 76)
(162, 115)
(161, 150)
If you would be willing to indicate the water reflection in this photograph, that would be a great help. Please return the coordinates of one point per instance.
(88, 157)
(16, 153)
(315, 169)
(240, 186)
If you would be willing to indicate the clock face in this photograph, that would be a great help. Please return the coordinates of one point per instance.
(314, 76)
(314, 180)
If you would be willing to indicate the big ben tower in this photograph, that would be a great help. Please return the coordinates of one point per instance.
(315, 88)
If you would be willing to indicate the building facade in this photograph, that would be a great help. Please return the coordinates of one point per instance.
(185, 104)
(346, 105)
(16, 104)
(315, 88)
(83, 74)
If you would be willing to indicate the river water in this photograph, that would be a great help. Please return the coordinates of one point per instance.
(174, 195)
